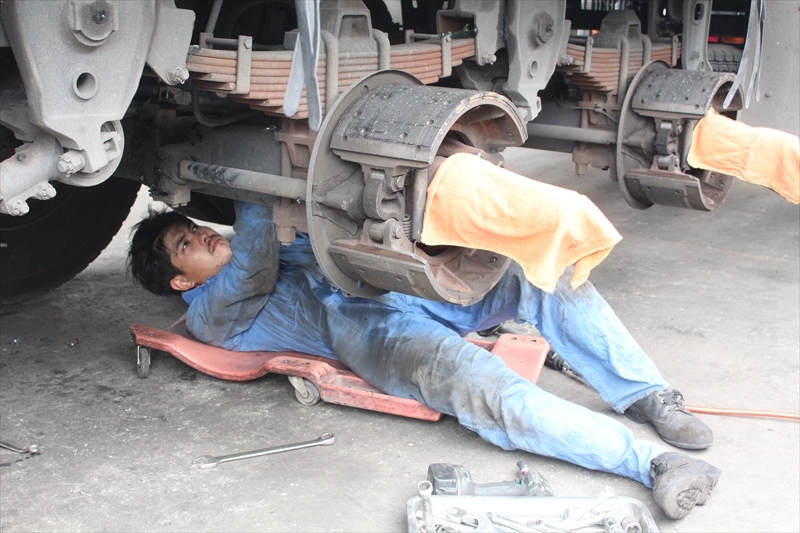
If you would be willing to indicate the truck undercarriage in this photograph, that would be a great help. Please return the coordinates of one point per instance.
(189, 98)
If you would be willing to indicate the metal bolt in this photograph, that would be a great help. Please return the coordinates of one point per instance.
(21, 156)
(18, 208)
(248, 43)
(70, 162)
(65, 165)
(397, 232)
(44, 191)
(99, 16)
(565, 60)
(177, 75)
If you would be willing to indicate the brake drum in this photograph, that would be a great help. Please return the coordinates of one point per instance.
(367, 184)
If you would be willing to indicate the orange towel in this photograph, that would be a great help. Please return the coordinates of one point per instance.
(474, 204)
(759, 155)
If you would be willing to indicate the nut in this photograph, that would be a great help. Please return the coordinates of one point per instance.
(44, 191)
(18, 208)
(70, 162)
(177, 75)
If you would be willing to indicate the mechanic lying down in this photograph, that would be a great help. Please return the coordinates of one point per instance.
(252, 294)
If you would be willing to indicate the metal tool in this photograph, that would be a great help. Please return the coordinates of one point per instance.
(479, 522)
(605, 494)
(425, 490)
(209, 461)
(531, 527)
(545, 526)
(630, 524)
(31, 449)
(593, 520)
(450, 479)
(611, 524)
(451, 522)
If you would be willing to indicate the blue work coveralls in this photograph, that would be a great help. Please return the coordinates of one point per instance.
(413, 348)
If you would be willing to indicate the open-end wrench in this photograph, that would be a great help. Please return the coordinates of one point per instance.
(31, 449)
(209, 461)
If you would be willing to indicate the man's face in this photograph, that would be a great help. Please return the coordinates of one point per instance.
(197, 251)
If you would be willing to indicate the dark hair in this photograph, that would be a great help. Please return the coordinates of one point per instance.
(148, 260)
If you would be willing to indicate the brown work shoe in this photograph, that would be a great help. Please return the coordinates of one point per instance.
(680, 482)
(677, 426)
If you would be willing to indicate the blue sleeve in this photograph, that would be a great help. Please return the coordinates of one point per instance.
(230, 301)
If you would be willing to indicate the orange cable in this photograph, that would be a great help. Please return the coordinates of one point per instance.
(742, 412)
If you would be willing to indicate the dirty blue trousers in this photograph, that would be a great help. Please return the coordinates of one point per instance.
(413, 348)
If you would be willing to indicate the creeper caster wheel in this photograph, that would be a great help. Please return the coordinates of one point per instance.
(305, 391)
(142, 361)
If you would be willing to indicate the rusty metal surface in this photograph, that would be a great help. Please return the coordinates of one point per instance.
(655, 131)
(216, 70)
(248, 180)
(673, 93)
(364, 202)
(703, 192)
(598, 69)
(410, 122)
(326, 171)
(455, 275)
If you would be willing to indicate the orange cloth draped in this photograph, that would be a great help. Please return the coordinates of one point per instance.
(759, 155)
(474, 204)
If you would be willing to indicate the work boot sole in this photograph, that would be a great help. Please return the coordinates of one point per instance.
(712, 474)
(681, 499)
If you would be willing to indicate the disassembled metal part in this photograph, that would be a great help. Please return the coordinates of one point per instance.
(652, 167)
(388, 128)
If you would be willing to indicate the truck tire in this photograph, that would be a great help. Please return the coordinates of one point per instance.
(58, 238)
(724, 57)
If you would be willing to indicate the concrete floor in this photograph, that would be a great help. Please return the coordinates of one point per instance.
(713, 298)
